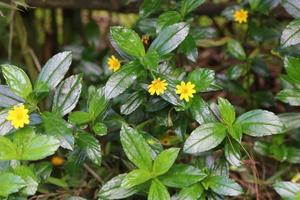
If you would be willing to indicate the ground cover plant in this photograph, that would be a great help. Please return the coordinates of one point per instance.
(178, 105)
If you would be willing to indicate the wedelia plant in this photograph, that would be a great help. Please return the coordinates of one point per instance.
(173, 144)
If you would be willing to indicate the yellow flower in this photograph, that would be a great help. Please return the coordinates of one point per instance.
(113, 63)
(145, 39)
(57, 161)
(157, 86)
(18, 116)
(240, 16)
(186, 90)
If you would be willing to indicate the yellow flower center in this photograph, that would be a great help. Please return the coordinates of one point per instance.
(240, 16)
(18, 116)
(186, 90)
(145, 39)
(157, 86)
(113, 64)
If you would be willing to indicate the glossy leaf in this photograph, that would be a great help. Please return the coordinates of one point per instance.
(121, 80)
(30, 179)
(136, 177)
(190, 5)
(80, 117)
(8, 98)
(166, 19)
(235, 49)
(191, 193)
(227, 111)
(260, 123)
(10, 183)
(182, 175)
(164, 161)
(202, 78)
(204, 138)
(113, 190)
(5, 126)
(54, 70)
(292, 7)
(232, 152)
(169, 38)
(286, 189)
(97, 105)
(136, 148)
(149, 6)
(201, 111)
(17, 80)
(189, 48)
(291, 65)
(66, 95)
(8, 150)
(158, 191)
(291, 34)
(128, 41)
(290, 96)
(132, 103)
(224, 186)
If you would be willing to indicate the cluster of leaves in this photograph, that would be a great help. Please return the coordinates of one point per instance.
(177, 149)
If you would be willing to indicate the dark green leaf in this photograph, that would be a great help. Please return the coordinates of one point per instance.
(204, 138)
(260, 123)
(189, 48)
(8, 98)
(67, 95)
(224, 186)
(164, 161)
(292, 7)
(132, 103)
(136, 177)
(10, 183)
(5, 126)
(56, 126)
(113, 190)
(166, 19)
(151, 60)
(235, 49)
(128, 41)
(227, 111)
(169, 38)
(202, 78)
(54, 70)
(158, 191)
(232, 152)
(291, 65)
(149, 6)
(97, 104)
(201, 111)
(17, 80)
(100, 129)
(121, 80)
(182, 175)
(189, 5)
(291, 34)
(136, 148)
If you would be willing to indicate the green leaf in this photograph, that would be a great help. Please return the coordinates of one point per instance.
(54, 70)
(290, 120)
(201, 111)
(80, 117)
(5, 126)
(292, 7)
(291, 34)
(66, 95)
(291, 65)
(89, 147)
(164, 161)
(158, 191)
(286, 189)
(132, 103)
(56, 126)
(99, 129)
(189, 5)
(260, 123)
(202, 78)
(29, 177)
(263, 5)
(97, 103)
(189, 48)
(149, 6)
(227, 111)
(170, 95)
(182, 175)
(17, 80)
(224, 186)
(235, 49)
(121, 80)
(169, 38)
(232, 153)
(204, 138)
(113, 190)
(151, 60)
(39, 147)
(236, 132)
(128, 41)
(10, 183)
(8, 150)
(136, 177)
(136, 148)
(193, 192)
(8, 98)
(166, 19)
(290, 96)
